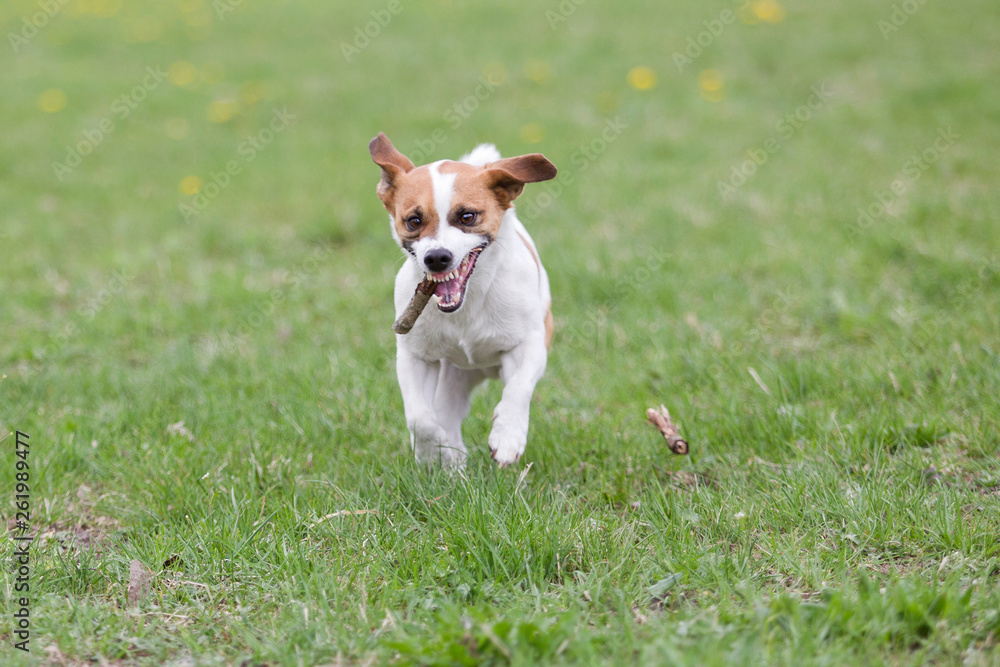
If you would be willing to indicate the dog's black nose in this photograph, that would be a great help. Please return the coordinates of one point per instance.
(438, 259)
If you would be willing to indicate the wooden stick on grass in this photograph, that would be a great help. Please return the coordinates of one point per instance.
(661, 420)
(416, 306)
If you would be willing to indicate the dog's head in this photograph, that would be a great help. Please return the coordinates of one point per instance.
(445, 214)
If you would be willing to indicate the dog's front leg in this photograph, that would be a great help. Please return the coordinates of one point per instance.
(418, 382)
(520, 371)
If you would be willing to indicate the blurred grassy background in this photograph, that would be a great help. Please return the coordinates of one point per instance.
(262, 320)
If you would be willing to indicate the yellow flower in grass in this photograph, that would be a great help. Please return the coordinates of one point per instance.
(710, 85)
(182, 73)
(641, 78)
(538, 71)
(52, 100)
(252, 92)
(221, 111)
(532, 133)
(769, 11)
(191, 185)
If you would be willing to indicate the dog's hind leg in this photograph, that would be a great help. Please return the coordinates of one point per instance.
(451, 405)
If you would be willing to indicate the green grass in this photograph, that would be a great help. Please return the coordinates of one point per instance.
(839, 385)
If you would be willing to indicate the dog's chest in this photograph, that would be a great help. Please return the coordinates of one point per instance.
(465, 345)
(474, 354)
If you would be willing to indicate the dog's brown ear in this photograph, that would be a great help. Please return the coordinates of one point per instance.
(507, 177)
(393, 163)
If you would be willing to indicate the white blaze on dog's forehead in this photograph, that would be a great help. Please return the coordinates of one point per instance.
(444, 190)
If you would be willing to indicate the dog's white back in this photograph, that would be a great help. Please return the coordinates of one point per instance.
(491, 315)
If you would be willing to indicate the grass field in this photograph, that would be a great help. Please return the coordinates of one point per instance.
(780, 220)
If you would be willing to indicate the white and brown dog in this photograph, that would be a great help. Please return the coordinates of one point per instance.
(493, 318)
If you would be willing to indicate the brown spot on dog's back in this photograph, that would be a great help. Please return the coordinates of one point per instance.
(534, 256)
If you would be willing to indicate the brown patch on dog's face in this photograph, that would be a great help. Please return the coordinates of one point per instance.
(472, 196)
(412, 206)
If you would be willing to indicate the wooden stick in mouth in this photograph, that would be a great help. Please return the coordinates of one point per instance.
(425, 289)
(661, 420)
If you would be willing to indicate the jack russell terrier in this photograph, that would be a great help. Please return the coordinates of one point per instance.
(456, 223)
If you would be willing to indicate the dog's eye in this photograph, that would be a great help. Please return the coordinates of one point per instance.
(469, 218)
(413, 222)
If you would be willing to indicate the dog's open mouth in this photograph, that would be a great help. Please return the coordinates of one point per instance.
(450, 291)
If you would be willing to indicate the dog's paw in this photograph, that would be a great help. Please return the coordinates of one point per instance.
(506, 444)
(427, 439)
(505, 458)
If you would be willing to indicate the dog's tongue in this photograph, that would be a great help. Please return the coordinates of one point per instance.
(449, 290)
